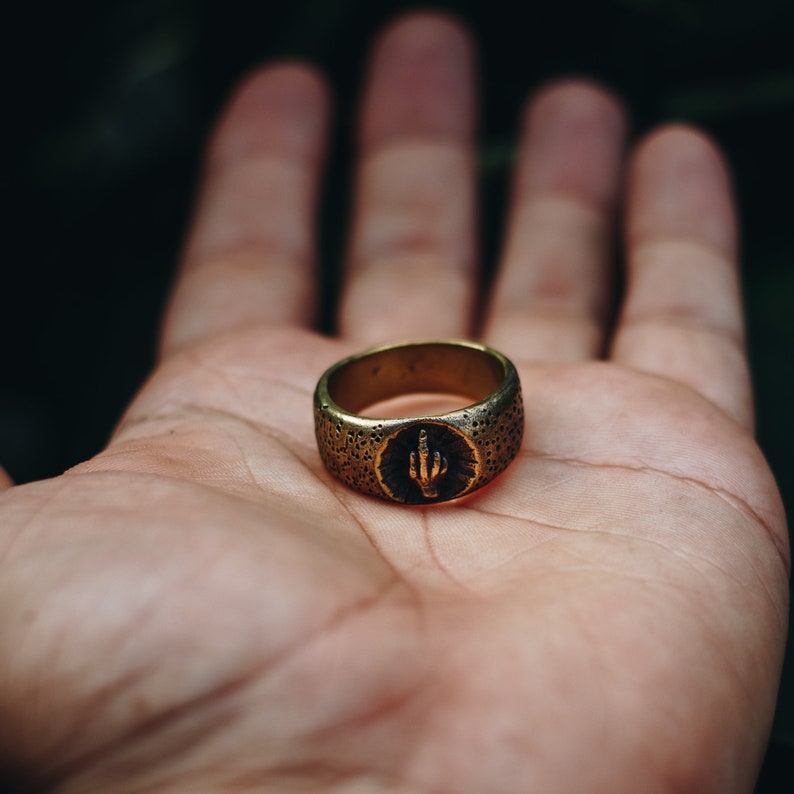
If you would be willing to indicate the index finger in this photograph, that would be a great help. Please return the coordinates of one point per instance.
(249, 256)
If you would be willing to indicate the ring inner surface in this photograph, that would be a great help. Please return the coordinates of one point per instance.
(444, 368)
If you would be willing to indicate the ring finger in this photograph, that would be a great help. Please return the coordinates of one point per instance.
(552, 291)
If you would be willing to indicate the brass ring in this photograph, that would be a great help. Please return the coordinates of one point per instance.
(419, 459)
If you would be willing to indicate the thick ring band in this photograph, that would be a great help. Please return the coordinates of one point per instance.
(419, 459)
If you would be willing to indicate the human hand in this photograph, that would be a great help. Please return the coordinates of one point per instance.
(202, 607)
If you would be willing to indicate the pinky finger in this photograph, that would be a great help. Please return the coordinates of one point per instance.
(682, 316)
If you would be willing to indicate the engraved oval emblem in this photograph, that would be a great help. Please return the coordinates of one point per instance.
(426, 462)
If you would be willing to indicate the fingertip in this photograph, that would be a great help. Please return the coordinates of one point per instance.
(578, 97)
(295, 84)
(573, 140)
(427, 27)
(421, 81)
(676, 141)
(679, 183)
(282, 108)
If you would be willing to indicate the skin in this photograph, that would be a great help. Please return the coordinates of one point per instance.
(202, 607)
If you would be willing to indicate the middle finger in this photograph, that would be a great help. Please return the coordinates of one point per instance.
(409, 269)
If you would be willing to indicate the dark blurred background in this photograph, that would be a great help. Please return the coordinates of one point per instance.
(108, 105)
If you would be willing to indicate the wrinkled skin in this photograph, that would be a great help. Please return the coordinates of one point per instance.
(202, 607)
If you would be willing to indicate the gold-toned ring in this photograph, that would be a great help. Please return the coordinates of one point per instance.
(428, 458)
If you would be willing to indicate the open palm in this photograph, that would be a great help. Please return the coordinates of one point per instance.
(202, 607)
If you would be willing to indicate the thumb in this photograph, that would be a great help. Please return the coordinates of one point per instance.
(5, 480)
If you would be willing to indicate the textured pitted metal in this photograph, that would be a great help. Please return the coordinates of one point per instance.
(421, 459)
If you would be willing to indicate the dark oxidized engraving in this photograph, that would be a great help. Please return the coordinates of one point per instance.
(427, 480)
(427, 462)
